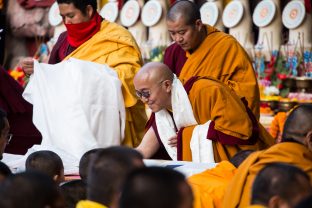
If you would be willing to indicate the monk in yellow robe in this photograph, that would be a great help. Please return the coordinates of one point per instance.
(295, 149)
(209, 186)
(201, 50)
(210, 124)
(89, 37)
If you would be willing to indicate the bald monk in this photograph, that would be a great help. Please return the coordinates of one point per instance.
(271, 186)
(295, 149)
(202, 50)
(209, 124)
(209, 186)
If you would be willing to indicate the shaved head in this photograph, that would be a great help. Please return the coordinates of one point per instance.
(188, 10)
(154, 72)
(298, 124)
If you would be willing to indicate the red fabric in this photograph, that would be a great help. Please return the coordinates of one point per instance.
(180, 145)
(28, 4)
(61, 49)
(81, 32)
(308, 5)
(175, 58)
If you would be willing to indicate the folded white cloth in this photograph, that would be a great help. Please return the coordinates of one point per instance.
(78, 106)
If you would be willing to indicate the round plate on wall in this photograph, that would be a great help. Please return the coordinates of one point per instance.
(264, 13)
(110, 11)
(232, 14)
(293, 14)
(209, 13)
(130, 13)
(54, 15)
(151, 13)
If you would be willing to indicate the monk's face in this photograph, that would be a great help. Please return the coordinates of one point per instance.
(187, 36)
(72, 15)
(4, 137)
(155, 94)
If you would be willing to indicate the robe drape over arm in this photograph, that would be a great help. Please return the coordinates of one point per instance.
(239, 189)
(219, 56)
(113, 45)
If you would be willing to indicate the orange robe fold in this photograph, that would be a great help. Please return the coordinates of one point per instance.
(238, 193)
(209, 186)
(213, 100)
(220, 56)
(114, 45)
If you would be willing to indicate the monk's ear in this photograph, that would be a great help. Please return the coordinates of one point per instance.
(308, 140)
(89, 11)
(168, 85)
(199, 25)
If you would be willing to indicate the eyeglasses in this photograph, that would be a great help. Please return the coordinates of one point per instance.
(146, 93)
(9, 138)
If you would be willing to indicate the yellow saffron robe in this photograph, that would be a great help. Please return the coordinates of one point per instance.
(114, 45)
(89, 204)
(209, 186)
(238, 193)
(220, 56)
(213, 100)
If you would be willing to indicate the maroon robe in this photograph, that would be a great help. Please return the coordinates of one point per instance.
(175, 58)
(19, 112)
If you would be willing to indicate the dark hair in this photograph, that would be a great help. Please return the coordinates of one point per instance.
(84, 163)
(73, 192)
(5, 170)
(305, 203)
(80, 4)
(298, 123)
(186, 9)
(29, 190)
(3, 115)
(239, 157)
(45, 161)
(278, 179)
(153, 187)
(107, 170)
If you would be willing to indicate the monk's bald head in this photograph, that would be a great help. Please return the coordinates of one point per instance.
(154, 72)
(298, 123)
(185, 9)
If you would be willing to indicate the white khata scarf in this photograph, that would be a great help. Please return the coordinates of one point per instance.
(201, 147)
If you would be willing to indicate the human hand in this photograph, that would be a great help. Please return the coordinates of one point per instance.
(27, 64)
(172, 141)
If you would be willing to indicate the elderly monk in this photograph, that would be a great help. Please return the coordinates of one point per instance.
(209, 186)
(202, 50)
(209, 124)
(295, 149)
(89, 37)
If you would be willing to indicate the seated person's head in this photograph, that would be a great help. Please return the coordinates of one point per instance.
(154, 187)
(30, 190)
(280, 185)
(73, 192)
(298, 126)
(47, 162)
(84, 163)
(4, 171)
(107, 172)
(4, 132)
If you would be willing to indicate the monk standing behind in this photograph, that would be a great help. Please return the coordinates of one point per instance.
(295, 149)
(202, 50)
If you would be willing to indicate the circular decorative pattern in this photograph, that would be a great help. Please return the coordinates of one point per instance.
(151, 13)
(209, 13)
(264, 13)
(54, 15)
(293, 14)
(110, 11)
(130, 13)
(232, 14)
